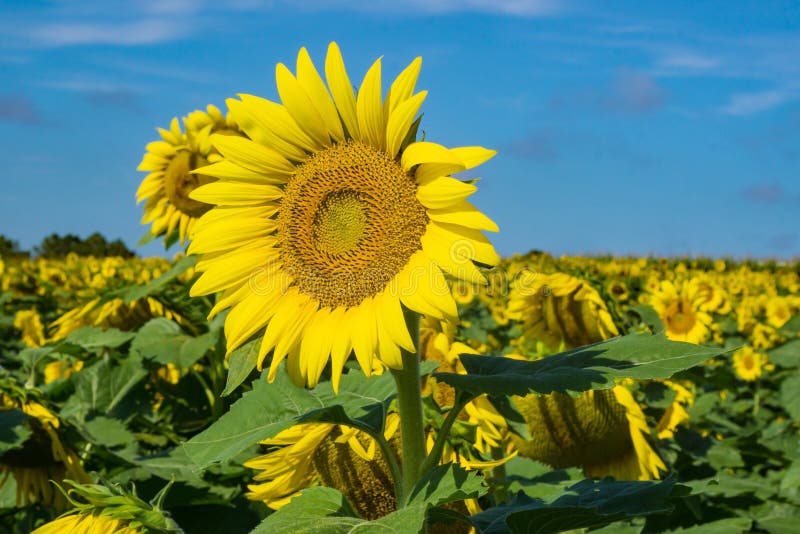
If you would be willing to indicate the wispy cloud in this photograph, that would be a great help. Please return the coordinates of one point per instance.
(522, 8)
(142, 32)
(751, 103)
(634, 92)
(691, 61)
(764, 193)
(19, 109)
(537, 145)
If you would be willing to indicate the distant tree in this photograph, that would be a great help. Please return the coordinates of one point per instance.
(56, 246)
(10, 247)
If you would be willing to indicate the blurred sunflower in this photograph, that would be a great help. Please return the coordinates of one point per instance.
(170, 163)
(332, 455)
(332, 218)
(42, 458)
(559, 308)
(748, 362)
(604, 432)
(29, 323)
(680, 306)
(88, 523)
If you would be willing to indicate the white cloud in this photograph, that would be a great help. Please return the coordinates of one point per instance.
(689, 60)
(144, 32)
(751, 103)
(525, 8)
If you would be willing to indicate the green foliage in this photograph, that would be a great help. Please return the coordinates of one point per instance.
(639, 356)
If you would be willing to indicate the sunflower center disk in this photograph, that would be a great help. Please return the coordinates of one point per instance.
(349, 222)
(179, 182)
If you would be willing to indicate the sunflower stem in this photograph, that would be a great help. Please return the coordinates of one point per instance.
(441, 438)
(409, 404)
(391, 461)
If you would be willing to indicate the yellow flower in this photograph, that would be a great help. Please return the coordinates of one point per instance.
(331, 217)
(170, 163)
(779, 311)
(618, 290)
(680, 307)
(59, 369)
(604, 432)
(675, 414)
(87, 523)
(30, 324)
(42, 458)
(747, 362)
(332, 455)
(559, 308)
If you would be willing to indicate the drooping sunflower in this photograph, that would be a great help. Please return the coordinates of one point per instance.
(604, 432)
(559, 309)
(331, 217)
(170, 163)
(41, 458)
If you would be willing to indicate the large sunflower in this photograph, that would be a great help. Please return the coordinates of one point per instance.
(170, 163)
(331, 217)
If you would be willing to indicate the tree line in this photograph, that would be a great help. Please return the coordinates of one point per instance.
(58, 246)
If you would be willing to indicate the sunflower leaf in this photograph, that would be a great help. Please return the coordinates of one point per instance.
(446, 483)
(318, 509)
(268, 409)
(13, 430)
(597, 366)
(587, 504)
(240, 364)
(163, 340)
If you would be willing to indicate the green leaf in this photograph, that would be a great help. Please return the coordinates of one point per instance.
(779, 525)
(318, 509)
(724, 455)
(92, 338)
(590, 504)
(787, 355)
(136, 292)
(446, 483)
(597, 366)
(723, 526)
(13, 430)
(790, 396)
(164, 341)
(649, 317)
(101, 387)
(326, 511)
(792, 326)
(240, 364)
(268, 409)
(108, 432)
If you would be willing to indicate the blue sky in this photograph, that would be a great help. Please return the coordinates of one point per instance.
(664, 128)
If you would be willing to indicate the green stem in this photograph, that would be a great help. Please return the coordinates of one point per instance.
(499, 476)
(441, 438)
(409, 404)
(391, 461)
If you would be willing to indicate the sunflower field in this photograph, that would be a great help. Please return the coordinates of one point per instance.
(341, 349)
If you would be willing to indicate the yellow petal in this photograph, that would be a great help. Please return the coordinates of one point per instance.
(341, 347)
(443, 191)
(403, 86)
(464, 214)
(310, 80)
(472, 156)
(253, 117)
(481, 249)
(391, 317)
(315, 347)
(236, 193)
(365, 336)
(426, 152)
(400, 121)
(228, 170)
(342, 90)
(283, 331)
(251, 155)
(369, 105)
(300, 106)
(248, 317)
(234, 268)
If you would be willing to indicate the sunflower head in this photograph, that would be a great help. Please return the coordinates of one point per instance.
(330, 220)
(680, 307)
(559, 308)
(602, 431)
(748, 363)
(171, 163)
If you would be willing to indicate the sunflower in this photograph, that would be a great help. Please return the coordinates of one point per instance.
(680, 306)
(42, 458)
(330, 218)
(604, 432)
(29, 323)
(170, 163)
(332, 455)
(559, 308)
(675, 414)
(87, 523)
(748, 362)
